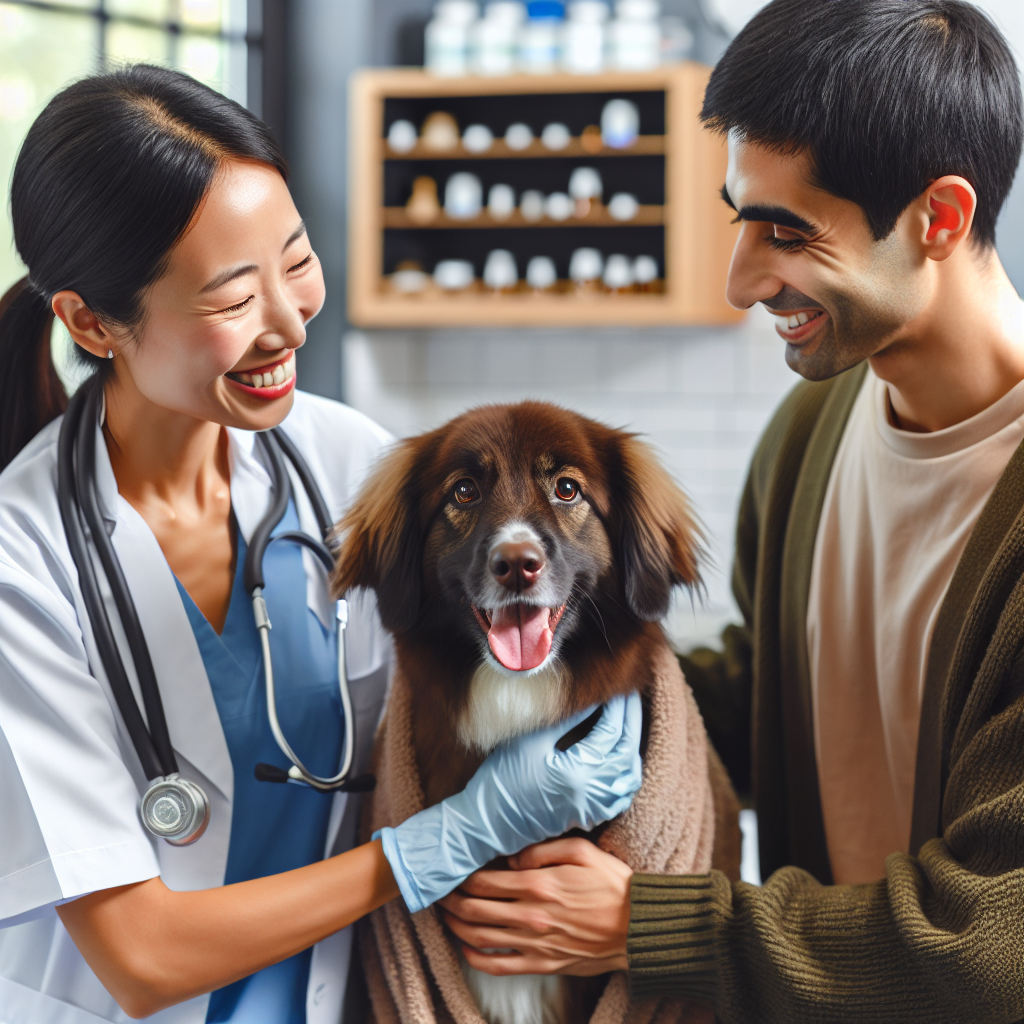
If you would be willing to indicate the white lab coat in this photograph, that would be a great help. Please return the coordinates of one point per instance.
(70, 780)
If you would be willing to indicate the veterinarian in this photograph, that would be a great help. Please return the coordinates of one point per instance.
(154, 219)
(872, 701)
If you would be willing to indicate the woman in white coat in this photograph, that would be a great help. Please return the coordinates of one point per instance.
(154, 219)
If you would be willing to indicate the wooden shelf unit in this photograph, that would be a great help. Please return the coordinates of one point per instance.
(691, 224)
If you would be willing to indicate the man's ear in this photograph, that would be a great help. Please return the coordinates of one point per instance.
(381, 546)
(660, 541)
(946, 209)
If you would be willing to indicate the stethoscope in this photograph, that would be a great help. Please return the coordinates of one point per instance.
(174, 808)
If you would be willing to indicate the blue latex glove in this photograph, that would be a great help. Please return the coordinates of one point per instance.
(525, 792)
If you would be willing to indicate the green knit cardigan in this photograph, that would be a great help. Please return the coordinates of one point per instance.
(941, 937)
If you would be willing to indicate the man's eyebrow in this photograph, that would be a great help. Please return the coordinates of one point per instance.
(773, 214)
(228, 275)
(296, 234)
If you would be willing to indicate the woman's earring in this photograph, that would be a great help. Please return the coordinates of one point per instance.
(110, 353)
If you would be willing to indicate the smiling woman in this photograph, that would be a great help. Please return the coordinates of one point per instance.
(156, 223)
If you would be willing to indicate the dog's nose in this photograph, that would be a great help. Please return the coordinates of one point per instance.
(516, 564)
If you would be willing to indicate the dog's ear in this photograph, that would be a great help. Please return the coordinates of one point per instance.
(380, 544)
(660, 541)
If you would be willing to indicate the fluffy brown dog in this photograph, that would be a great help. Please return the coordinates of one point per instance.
(522, 557)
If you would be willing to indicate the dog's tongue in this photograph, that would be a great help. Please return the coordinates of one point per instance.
(520, 636)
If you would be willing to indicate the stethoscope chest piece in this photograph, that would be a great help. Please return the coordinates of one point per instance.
(176, 810)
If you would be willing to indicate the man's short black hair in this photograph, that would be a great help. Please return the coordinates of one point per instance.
(885, 95)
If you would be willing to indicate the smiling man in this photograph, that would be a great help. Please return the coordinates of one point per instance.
(872, 702)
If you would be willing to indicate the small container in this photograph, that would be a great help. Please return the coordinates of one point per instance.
(620, 124)
(531, 205)
(585, 183)
(583, 37)
(518, 136)
(454, 275)
(501, 202)
(623, 206)
(500, 271)
(440, 132)
(492, 39)
(540, 37)
(645, 271)
(555, 136)
(409, 280)
(585, 266)
(541, 273)
(463, 196)
(422, 205)
(477, 138)
(402, 136)
(446, 37)
(559, 206)
(618, 273)
(634, 37)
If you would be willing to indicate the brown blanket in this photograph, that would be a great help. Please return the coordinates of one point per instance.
(412, 969)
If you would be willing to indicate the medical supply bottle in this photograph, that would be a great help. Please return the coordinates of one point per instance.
(634, 36)
(446, 37)
(540, 37)
(583, 37)
(492, 39)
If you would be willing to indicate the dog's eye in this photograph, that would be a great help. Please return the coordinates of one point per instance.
(466, 491)
(567, 489)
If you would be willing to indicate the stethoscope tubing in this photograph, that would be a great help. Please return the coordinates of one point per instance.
(80, 511)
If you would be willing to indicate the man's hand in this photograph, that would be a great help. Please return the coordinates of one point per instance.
(563, 909)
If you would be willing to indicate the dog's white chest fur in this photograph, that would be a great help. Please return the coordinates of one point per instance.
(502, 705)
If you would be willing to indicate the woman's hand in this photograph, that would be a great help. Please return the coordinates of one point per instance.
(563, 909)
(525, 792)
(152, 947)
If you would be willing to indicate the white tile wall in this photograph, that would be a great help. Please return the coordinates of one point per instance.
(700, 395)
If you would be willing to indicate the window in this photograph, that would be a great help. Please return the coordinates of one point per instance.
(44, 45)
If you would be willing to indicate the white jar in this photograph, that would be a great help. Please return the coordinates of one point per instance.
(531, 206)
(454, 275)
(620, 124)
(463, 196)
(541, 273)
(500, 270)
(618, 273)
(585, 265)
(634, 37)
(446, 38)
(492, 39)
(540, 37)
(583, 37)
(501, 202)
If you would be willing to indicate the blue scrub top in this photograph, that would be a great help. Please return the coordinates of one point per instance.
(274, 827)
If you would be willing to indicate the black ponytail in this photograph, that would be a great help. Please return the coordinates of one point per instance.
(108, 178)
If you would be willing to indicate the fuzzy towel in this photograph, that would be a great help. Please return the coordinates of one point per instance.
(412, 969)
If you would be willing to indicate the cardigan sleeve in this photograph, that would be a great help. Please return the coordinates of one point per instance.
(938, 940)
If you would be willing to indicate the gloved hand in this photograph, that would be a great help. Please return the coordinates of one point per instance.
(525, 792)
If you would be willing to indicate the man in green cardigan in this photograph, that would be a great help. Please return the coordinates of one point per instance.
(872, 702)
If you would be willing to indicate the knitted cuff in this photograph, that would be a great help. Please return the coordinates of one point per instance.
(671, 937)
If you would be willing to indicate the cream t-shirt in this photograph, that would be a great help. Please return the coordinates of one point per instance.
(898, 511)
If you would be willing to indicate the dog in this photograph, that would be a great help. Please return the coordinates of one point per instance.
(522, 558)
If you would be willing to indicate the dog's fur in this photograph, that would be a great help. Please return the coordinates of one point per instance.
(613, 555)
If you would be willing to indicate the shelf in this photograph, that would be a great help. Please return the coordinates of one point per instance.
(690, 234)
(645, 145)
(647, 216)
(522, 309)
